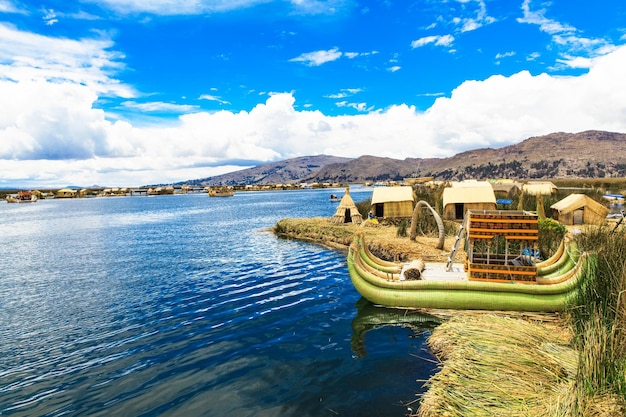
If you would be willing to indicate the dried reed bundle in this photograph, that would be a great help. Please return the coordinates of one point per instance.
(497, 365)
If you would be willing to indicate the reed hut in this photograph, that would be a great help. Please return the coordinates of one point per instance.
(347, 212)
(539, 188)
(392, 202)
(460, 197)
(66, 193)
(506, 188)
(579, 209)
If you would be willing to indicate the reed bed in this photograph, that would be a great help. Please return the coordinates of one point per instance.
(598, 320)
(501, 365)
(497, 365)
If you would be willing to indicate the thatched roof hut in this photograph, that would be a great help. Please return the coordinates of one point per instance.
(347, 212)
(66, 193)
(390, 202)
(505, 188)
(461, 197)
(579, 209)
(539, 188)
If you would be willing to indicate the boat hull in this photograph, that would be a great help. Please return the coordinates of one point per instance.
(465, 295)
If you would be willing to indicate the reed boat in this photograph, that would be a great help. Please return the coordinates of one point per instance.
(221, 192)
(22, 197)
(486, 281)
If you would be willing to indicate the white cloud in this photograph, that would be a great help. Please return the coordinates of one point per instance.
(438, 40)
(537, 17)
(50, 17)
(53, 134)
(361, 107)
(394, 68)
(7, 6)
(26, 56)
(345, 92)
(566, 38)
(196, 7)
(505, 54)
(501, 110)
(317, 58)
(169, 7)
(159, 106)
(212, 97)
(480, 18)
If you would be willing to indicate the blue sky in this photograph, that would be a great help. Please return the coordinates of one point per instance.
(132, 92)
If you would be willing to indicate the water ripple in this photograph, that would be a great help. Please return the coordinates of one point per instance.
(179, 307)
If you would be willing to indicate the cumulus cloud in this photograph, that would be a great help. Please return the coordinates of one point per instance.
(52, 132)
(26, 56)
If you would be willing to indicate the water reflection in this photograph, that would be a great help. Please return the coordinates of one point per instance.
(370, 317)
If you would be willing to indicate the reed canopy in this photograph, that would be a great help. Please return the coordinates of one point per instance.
(347, 211)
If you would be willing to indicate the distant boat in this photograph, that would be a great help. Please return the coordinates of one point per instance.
(22, 197)
(221, 192)
(333, 197)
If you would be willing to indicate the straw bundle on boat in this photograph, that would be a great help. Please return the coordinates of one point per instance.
(413, 270)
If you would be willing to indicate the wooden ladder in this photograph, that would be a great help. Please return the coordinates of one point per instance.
(455, 247)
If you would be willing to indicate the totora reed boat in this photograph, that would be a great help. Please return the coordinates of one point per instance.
(489, 280)
(221, 192)
(22, 197)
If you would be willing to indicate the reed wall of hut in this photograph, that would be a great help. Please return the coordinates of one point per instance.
(457, 200)
(392, 202)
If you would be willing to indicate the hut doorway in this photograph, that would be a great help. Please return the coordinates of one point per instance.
(459, 213)
(380, 210)
(579, 216)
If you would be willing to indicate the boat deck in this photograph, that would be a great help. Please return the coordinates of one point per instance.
(437, 272)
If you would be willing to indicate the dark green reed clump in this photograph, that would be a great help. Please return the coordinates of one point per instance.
(364, 207)
(599, 324)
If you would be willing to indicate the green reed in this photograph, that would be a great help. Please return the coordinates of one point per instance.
(598, 319)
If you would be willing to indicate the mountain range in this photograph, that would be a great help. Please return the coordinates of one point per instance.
(589, 154)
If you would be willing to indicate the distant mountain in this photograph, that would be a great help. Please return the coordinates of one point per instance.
(284, 172)
(590, 154)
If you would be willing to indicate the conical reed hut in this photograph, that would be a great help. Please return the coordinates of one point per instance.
(347, 212)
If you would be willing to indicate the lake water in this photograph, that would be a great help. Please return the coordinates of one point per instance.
(187, 306)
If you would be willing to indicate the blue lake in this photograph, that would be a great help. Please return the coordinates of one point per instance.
(188, 306)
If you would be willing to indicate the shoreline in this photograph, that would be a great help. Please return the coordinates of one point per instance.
(486, 368)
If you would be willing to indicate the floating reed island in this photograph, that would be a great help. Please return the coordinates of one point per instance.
(566, 364)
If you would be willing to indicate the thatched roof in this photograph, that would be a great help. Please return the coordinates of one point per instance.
(391, 194)
(467, 194)
(539, 188)
(506, 187)
(347, 210)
